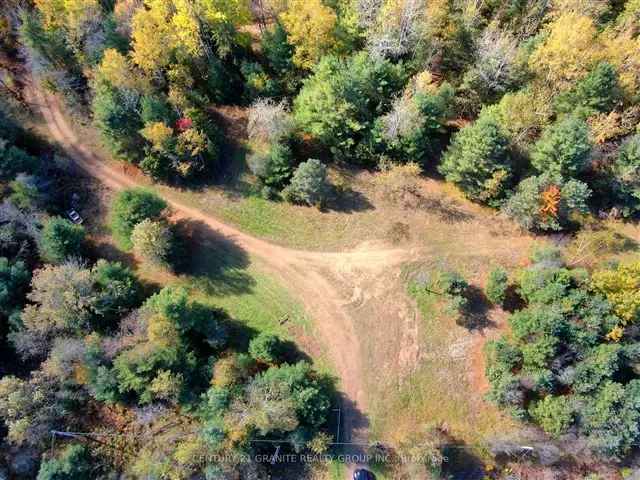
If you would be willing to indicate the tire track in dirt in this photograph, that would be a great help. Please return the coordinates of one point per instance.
(302, 272)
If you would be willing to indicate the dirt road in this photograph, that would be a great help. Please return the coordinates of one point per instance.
(308, 275)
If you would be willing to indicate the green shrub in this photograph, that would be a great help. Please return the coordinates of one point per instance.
(497, 285)
(14, 160)
(61, 239)
(131, 207)
(266, 348)
(554, 414)
(559, 363)
(25, 194)
(275, 167)
(73, 464)
(309, 184)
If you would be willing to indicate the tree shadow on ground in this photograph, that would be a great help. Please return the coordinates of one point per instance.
(112, 253)
(446, 209)
(474, 316)
(512, 299)
(214, 261)
(346, 428)
(347, 200)
(240, 335)
(461, 462)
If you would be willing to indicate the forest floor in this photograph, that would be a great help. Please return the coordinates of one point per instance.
(401, 362)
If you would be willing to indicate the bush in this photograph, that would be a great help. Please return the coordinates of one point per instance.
(258, 83)
(497, 285)
(546, 202)
(399, 183)
(309, 184)
(25, 194)
(131, 207)
(273, 168)
(553, 414)
(478, 161)
(563, 148)
(61, 239)
(74, 463)
(269, 121)
(153, 241)
(266, 348)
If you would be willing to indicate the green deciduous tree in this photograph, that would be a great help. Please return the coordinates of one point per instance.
(621, 288)
(153, 241)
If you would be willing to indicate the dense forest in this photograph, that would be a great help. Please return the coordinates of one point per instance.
(530, 108)
(512, 102)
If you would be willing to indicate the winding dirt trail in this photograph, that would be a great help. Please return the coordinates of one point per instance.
(308, 275)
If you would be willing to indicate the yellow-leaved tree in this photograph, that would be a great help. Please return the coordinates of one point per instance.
(194, 21)
(152, 36)
(311, 28)
(53, 13)
(570, 51)
(158, 134)
(621, 287)
(623, 48)
(116, 69)
(191, 26)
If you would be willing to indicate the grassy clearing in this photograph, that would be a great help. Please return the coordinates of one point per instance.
(219, 274)
(441, 390)
(249, 296)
